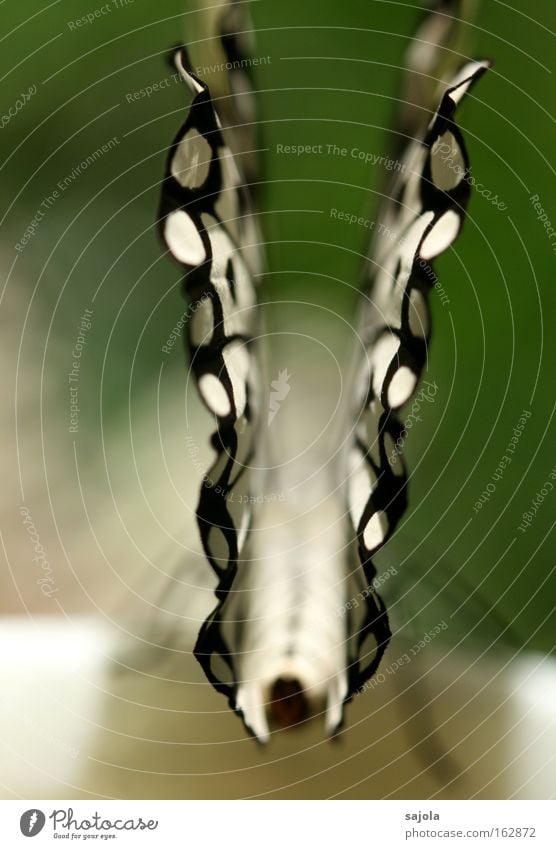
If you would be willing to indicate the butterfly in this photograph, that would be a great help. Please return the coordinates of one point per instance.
(284, 640)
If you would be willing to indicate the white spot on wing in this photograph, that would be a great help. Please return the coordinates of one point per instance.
(447, 163)
(191, 160)
(401, 386)
(375, 530)
(183, 238)
(215, 395)
(441, 236)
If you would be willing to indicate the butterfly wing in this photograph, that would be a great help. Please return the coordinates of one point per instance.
(421, 218)
(205, 224)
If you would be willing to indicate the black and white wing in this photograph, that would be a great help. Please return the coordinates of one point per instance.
(205, 223)
(421, 218)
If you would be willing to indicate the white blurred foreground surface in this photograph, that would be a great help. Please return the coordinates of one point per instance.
(80, 718)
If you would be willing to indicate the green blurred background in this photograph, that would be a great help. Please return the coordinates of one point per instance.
(333, 77)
